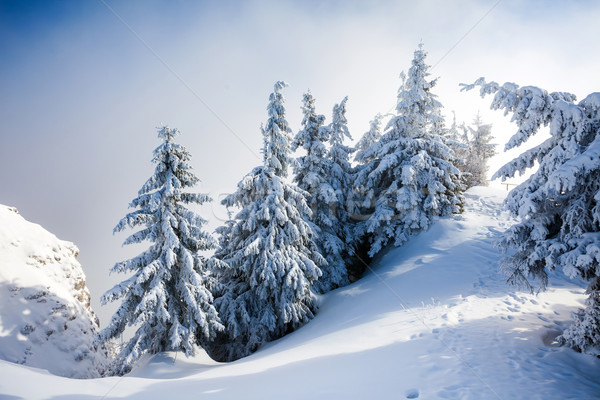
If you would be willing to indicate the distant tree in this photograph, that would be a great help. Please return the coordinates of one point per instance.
(269, 251)
(458, 140)
(480, 150)
(166, 298)
(413, 177)
(559, 205)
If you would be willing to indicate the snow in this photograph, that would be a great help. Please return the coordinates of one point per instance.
(432, 319)
(45, 318)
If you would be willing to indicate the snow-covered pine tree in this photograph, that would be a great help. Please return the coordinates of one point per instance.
(359, 203)
(458, 140)
(366, 162)
(270, 253)
(166, 298)
(341, 177)
(277, 134)
(367, 139)
(313, 174)
(413, 178)
(559, 205)
(311, 169)
(480, 150)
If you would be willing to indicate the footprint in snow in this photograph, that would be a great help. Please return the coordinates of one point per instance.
(549, 338)
(412, 394)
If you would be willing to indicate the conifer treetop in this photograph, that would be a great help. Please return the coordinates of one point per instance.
(277, 134)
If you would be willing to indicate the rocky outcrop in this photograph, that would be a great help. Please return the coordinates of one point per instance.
(45, 316)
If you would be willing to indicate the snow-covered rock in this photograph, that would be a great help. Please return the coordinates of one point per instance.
(45, 316)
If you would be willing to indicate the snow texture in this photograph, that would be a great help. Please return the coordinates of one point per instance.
(45, 316)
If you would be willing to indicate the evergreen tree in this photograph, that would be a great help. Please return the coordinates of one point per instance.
(559, 205)
(480, 150)
(166, 298)
(367, 139)
(341, 176)
(277, 134)
(584, 334)
(359, 203)
(366, 163)
(269, 252)
(324, 179)
(458, 140)
(413, 178)
(311, 169)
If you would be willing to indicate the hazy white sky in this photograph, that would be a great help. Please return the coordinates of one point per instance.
(82, 88)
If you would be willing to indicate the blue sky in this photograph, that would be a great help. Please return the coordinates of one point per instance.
(81, 95)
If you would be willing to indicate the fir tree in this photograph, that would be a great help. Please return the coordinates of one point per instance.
(458, 140)
(311, 169)
(360, 202)
(368, 138)
(341, 175)
(584, 334)
(412, 178)
(270, 253)
(480, 150)
(276, 134)
(166, 298)
(319, 175)
(559, 204)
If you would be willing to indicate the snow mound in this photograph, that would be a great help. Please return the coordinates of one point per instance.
(45, 315)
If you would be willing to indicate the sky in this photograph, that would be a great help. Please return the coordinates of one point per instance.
(84, 84)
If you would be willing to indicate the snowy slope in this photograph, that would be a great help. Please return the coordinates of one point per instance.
(45, 315)
(433, 320)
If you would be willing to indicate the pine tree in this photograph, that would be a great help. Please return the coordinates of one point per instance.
(584, 334)
(311, 169)
(413, 178)
(368, 138)
(277, 134)
(480, 150)
(341, 176)
(324, 179)
(366, 160)
(166, 298)
(359, 203)
(270, 253)
(559, 204)
(458, 140)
